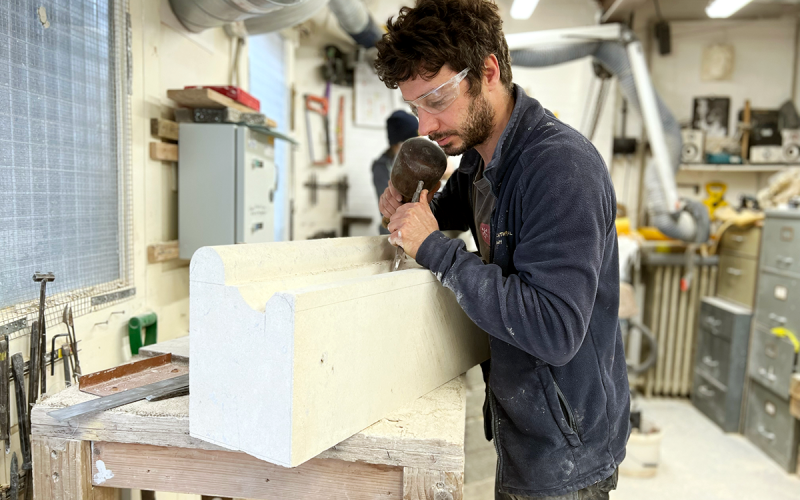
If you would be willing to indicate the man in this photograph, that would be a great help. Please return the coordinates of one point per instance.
(540, 204)
(400, 127)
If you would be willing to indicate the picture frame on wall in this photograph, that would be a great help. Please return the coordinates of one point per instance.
(711, 115)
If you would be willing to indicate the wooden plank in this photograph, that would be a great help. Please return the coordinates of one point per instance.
(62, 470)
(162, 252)
(233, 474)
(179, 348)
(164, 129)
(163, 151)
(206, 98)
(300, 325)
(427, 434)
(794, 386)
(422, 484)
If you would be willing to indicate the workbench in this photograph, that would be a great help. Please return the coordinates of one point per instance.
(415, 453)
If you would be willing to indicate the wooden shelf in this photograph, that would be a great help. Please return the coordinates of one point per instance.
(746, 167)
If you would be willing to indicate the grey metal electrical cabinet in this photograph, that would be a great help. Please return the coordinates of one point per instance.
(226, 186)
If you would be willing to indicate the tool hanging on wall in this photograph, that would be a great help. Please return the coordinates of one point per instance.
(340, 131)
(43, 278)
(73, 342)
(5, 403)
(341, 186)
(317, 104)
(23, 413)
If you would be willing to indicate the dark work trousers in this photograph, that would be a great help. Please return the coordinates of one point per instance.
(596, 491)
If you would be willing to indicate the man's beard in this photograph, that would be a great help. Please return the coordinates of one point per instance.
(476, 130)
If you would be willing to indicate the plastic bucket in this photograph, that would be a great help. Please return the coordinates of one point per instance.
(642, 454)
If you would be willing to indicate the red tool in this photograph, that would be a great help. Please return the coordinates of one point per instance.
(319, 105)
(340, 131)
(234, 93)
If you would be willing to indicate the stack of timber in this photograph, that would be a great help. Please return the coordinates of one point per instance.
(297, 346)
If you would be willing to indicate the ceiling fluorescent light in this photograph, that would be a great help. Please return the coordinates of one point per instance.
(725, 8)
(523, 9)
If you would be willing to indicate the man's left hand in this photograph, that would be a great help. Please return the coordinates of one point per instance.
(411, 224)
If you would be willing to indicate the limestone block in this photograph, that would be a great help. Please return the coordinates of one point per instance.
(297, 346)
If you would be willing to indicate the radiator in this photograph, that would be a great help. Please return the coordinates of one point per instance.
(671, 314)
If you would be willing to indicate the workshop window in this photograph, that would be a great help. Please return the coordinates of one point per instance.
(65, 203)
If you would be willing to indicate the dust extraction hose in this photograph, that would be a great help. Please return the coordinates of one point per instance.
(690, 224)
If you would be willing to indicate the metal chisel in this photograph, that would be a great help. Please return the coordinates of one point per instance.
(399, 253)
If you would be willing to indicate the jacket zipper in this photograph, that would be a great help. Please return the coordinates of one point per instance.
(571, 416)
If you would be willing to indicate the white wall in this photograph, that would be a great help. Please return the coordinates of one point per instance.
(764, 54)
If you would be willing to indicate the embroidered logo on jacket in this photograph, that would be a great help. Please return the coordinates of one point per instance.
(485, 232)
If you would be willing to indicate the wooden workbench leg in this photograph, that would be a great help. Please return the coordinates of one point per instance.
(62, 470)
(426, 484)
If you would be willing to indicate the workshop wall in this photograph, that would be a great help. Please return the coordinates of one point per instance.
(562, 89)
(764, 54)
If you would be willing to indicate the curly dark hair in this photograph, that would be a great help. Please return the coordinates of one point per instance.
(459, 33)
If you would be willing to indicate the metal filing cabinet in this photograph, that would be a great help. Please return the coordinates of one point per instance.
(227, 182)
(720, 361)
(738, 264)
(773, 359)
(771, 427)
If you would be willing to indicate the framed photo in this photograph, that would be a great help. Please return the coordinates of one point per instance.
(711, 114)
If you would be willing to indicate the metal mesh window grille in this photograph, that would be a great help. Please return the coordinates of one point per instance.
(65, 200)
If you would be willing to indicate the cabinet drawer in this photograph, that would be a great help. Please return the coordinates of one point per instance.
(736, 278)
(713, 356)
(724, 318)
(710, 398)
(772, 361)
(771, 427)
(782, 244)
(743, 241)
(778, 301)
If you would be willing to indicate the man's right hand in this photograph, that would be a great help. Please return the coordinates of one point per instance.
(390, 201)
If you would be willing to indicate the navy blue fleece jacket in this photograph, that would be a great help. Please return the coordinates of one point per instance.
(548, 299)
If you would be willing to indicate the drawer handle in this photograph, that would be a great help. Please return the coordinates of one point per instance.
(705, 391)
(733, 271)
(785, 261)
(709, 361)
(779, 320)
(738, 238)
(769, 436)
(768, 374)
(713, 323)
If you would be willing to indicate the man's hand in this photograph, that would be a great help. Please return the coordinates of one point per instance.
(390, 201)
(411, 224)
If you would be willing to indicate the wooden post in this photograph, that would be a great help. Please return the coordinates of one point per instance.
(62, 470)
(426, 484)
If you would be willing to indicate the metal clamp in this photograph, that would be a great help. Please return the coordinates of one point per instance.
(710, 362)
(733, 271)
(784, 261)
(738, 238)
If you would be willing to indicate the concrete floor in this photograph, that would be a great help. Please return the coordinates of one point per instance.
(698, 460)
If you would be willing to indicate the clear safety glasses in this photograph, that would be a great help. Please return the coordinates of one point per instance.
(438, 99)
